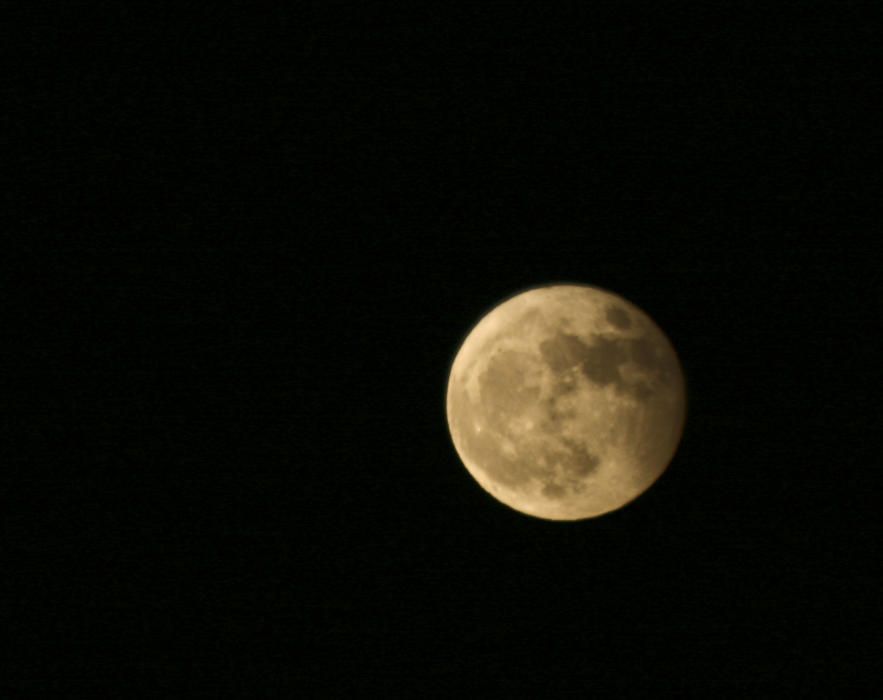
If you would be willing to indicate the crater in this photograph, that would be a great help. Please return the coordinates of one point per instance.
(555, 414)
(563, 351)
(577, 461)
(641, 390)
(643, 353)
(554, 491)
(617, 316)
(503, 387)
(602, 360)
(484, 450)
(529, 320)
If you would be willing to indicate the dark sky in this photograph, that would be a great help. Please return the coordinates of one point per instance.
(247, 244)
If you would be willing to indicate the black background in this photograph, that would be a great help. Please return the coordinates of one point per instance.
(246, 245)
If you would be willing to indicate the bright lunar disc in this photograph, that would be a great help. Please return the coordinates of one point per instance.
(566, 402)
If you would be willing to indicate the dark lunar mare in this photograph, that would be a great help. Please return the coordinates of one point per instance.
(600, 361)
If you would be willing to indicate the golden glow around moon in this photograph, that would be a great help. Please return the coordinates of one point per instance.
(566, 402)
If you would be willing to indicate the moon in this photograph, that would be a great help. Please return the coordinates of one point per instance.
(566, 402)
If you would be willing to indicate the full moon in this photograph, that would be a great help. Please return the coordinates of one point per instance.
(566, 402)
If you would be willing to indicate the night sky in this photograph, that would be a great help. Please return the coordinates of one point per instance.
(246, 247)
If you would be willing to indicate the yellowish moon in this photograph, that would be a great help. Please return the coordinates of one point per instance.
(566, 402)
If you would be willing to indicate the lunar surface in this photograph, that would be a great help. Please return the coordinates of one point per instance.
(566, 402)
